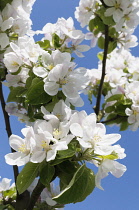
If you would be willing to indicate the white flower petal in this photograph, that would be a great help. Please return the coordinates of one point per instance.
(76, 129)
(51, 88)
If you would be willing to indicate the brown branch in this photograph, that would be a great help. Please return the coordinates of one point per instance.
(21, 200)
(114, 118)
(35, 195)
(8, 127)
(97, 108)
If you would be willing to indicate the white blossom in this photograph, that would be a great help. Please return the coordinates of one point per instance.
(115, 168)
(23, 147)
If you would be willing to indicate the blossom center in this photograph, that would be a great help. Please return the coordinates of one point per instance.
(50, 67)
(88, 9)
(58, 115)
(117, 6)
(56, 133)
(96, 139)
(23, 149)
(15, 64)
(135, 112)
(45, 145)
(63, 81)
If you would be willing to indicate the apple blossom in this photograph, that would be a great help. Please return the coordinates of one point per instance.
(115, 168)
(5, 184)
(92, 135)
(49, 140)
(23, 147)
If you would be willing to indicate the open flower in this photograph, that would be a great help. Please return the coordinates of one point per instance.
(5, 184)
(23, 147)
(49, 140)
(115, 168)
(93, 135)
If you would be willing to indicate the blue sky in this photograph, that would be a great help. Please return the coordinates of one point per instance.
(122, 193)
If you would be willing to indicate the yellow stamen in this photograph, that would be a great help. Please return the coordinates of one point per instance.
(63, 81)
(22, 148)
(50, 67)
(44, 145)
(15, 64)
(56, 132)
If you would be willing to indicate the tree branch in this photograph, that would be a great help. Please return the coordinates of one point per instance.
(114, 118)
(8, 127)
(21, 200)
(35, 195)
(97, 108)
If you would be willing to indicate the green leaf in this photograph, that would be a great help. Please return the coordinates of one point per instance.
(112, 45)
(90, 95)
(89, 184)
(81, 185)
(16, 94)
(91, 25)
(100, 56)
(56, 161)
(108, 20)
(127, 102)
(96, 24)
(2, 207)
(2, 73)
(28, 82)
(66, 171)
(110, 109)
(67, 153)
(47, 174)
(10, 193)
(120, 110)
(110, 117)
(30, 111)
(56, 40)
(44, 44)
(113, 33)
(36, 94)
(115, 97)
(124, 125)
(50, 106)
(27, 176)
(101, 42)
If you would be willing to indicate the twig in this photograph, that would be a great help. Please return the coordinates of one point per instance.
(97, 108)
(114, 118)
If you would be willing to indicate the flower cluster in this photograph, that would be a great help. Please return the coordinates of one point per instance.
(15, 21)
(122, 17)
(120, 85)
(48, 137)
(7, 192)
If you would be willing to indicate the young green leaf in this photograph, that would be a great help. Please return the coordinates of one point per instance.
(101, 42)
(56, 40)
(115, 97)
(36, 94)
(16, 93)
(27, 176)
